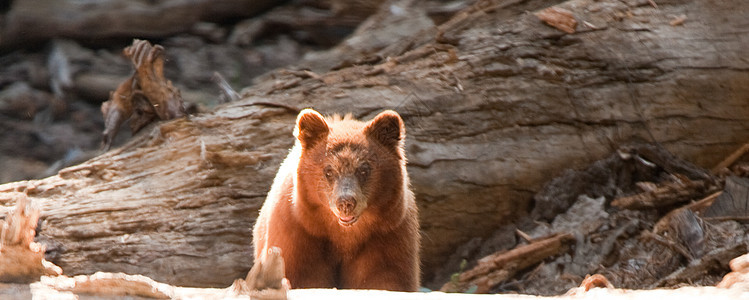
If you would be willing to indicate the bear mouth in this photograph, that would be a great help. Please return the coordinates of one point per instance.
(347, 221)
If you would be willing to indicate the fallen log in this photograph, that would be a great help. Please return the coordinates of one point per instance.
(33, 21)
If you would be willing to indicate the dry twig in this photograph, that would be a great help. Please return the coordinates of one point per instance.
(728, 161)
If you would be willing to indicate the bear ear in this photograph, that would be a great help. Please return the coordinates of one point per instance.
(311, 128)
(387, 129)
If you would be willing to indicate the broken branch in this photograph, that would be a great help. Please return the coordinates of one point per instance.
(143, 97)
(668, 193)
(149, 65)
(496, 268)
(728, 161)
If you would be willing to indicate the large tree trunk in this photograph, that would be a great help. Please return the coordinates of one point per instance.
(496, 103)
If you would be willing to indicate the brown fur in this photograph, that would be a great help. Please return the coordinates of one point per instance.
(341, 170)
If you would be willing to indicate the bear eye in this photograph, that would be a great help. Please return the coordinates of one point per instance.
(328, 173)
(362, 173)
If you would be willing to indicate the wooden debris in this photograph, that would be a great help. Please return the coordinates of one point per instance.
(145, 96)
(739, 275)
(523, 235)
(558, 18)
(22, 259)
(670, 243)
(304, 74)
(591, 281)
(657, 156)
(607, 177)
(646, 186)
(740, 169)
(681, 190)
(496, 268)
(702, 266)
(681, 231)
(731, 159)
(289, 108)
(117, 110)
(111, 284)
(686, 228)
(733, 203)
(228, 94)
(706, 202)
(266, 280)
(679, 20)
(149, 70)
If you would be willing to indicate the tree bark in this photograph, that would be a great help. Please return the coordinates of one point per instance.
(495, 102)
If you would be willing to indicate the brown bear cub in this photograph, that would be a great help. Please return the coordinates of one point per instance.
(341, 209)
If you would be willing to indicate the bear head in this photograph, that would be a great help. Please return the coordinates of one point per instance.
(355, 169)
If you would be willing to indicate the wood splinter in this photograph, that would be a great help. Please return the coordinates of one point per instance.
(731, 159)
(558, 18)
(22, 259)
(266, 280)
(739, 275)
(664, 194)
(590, 281)
(145, 96)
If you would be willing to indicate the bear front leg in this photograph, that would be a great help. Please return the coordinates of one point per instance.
(383, 267)
(307, 264)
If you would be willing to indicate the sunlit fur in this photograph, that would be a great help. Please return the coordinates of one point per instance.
(379, 250)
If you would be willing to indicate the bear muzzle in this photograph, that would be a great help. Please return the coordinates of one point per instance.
(346, 201)
(346, 207)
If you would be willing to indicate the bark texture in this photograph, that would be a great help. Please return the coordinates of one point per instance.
(495, 102)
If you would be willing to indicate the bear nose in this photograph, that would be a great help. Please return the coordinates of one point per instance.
(346, 205)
